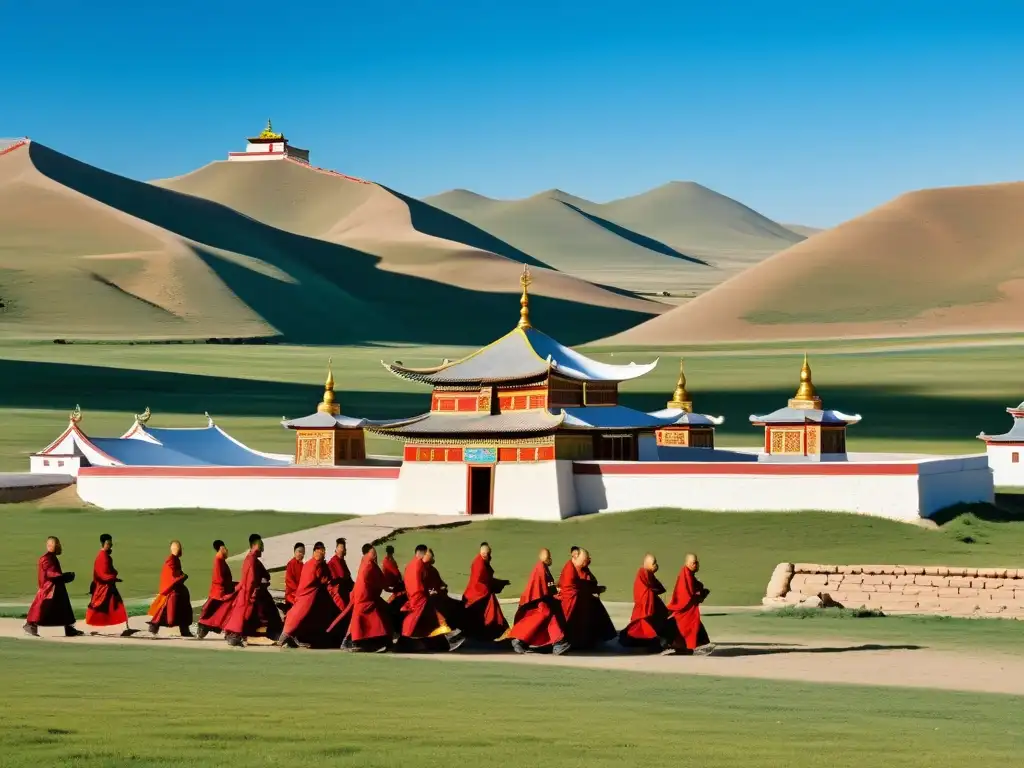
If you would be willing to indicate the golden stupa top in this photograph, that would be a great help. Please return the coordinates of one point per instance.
(525, 280)
(268, 132)
(328, 404)
(680, 397)
(806, 395)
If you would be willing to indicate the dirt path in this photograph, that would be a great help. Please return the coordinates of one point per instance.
(838, 662)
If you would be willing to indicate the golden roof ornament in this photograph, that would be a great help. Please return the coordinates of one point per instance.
(268, 132)
(681, 398)
(806, 396)
(76, 415)
(328, 405)
(143, 417)
(525, 280)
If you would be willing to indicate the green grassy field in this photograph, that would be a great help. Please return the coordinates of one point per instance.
(921, 400)
(112, 706)
(141, 540)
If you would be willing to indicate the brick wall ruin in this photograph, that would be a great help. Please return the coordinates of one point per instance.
(922, 589)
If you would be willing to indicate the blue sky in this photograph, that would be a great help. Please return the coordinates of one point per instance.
(809, 112)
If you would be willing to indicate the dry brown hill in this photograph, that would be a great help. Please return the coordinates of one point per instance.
(88, 254)
(936, 261)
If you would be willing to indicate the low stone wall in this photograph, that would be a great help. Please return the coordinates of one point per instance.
(921, 589)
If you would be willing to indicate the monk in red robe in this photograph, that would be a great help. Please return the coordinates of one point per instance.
(482, 618)
(106, 608)
(52, 606)
(449, 607)
(650, 627)
(173, 604)
(423, 622)
(538, 622)
(253, 610)
(393, 585)
(587, 623)
(217, 608)
(309, 618)
(684, 608)
(292, 574)
(340, 588)
(370, 626)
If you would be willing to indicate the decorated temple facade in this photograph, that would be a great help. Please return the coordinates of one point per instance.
(269, 145)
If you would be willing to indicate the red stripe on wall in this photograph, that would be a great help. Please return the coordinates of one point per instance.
(271, 473)
(744, 468)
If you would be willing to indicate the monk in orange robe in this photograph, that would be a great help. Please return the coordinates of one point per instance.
(173, 604)
(587, 623)
(217, 608)
(340, 587)
(106, 608)
(538, 622)
(52, 606)
(449, 607)
(393, 585)
(292, 574)
(650, 626)
(370, 626)
(423, 622)
(684, 608)
(309, 618)
(253, 610)
(482, 618)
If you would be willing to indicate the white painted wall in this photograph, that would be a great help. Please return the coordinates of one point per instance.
(945, 482)
(54, 465)
(432, 488)
(543, 490)
(1005, 472)
(329, 495)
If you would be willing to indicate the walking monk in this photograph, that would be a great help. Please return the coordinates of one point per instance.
(422, 620)
(538, 622)
(449, 607)
(482, 618)
(685, 609)
(292, 574)
(253, 610)
(587, 623)
(370, 625)
(340, 587)
(310, 616)
(650, 626)
(217, 608)
(52, 606)
(394, 585)
(106, 608)
(173, 604)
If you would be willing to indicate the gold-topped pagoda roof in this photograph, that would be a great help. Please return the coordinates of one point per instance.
(806, 395)
(329, 404)
(268, 132)
(680, 397)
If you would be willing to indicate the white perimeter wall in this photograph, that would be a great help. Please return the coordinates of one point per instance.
(432, 488)
(544, 490)
(341, 495)
(1000, 459)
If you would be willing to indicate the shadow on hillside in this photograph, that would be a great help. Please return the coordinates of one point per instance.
(1008, 508)
(337, 294)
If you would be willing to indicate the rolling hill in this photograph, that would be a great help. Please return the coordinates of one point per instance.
(88, 254)
(947, 261)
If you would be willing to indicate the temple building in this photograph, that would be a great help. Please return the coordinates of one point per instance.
(689, 430)
(1004, 451)
(270, 145)
(803, 430)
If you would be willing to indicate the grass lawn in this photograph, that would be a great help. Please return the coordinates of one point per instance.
(147, 707)
(141, 540)
(738, 551)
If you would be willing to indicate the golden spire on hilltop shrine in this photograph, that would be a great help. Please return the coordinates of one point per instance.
(524, 301)
(806, 395)
(76, 415)
(328, 405)
(681, 398)
(268, 132)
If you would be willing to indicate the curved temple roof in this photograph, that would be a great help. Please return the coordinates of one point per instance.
(523, 353)
(804, 415)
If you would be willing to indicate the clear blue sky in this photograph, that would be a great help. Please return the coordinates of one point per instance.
(811, 112)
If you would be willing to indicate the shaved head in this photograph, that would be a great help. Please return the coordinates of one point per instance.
(176, 548)
(581, 558)
(692, 562)
(651, 562)
(544, 556)
(485, 550)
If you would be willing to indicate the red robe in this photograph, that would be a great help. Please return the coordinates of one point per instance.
(369, 612)
(106, 608)
(685, 609)
(51, 606)
(173, 604)
(649, 620)
(482, 616)
(449, 607)
(422, 619)
(311, 614)
(340, 589)
(587, 623)
(217, 608)
(538, 621)
(253, 608)
(292, 574)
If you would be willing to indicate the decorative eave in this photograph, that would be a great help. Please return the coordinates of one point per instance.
(435, 424)
(800, 416)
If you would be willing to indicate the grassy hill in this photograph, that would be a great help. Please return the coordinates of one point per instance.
(938, 261)
(88, 254)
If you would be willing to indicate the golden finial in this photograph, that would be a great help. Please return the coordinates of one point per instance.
(328, 405)
(268, 132)
(525, 280)
(143, 417)
(806, 395)
(681, 398)
(76, 415)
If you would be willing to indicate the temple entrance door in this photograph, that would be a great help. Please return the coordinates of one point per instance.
(479, 494)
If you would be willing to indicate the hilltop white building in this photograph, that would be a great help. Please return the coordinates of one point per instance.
(270, 145)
